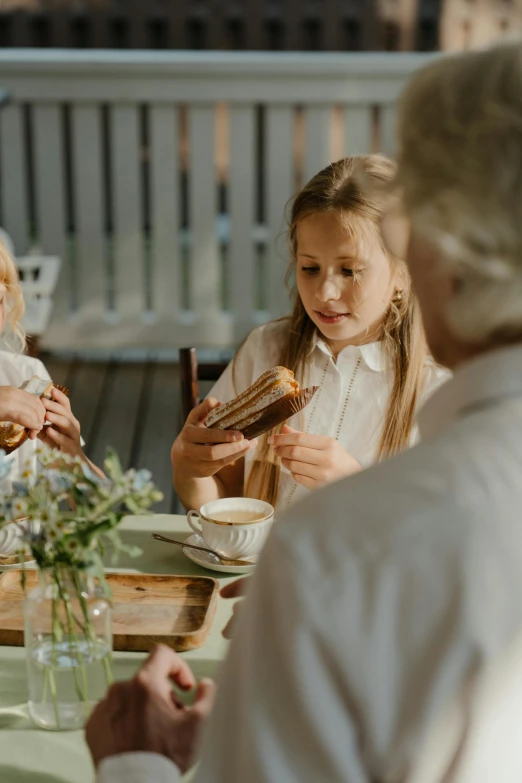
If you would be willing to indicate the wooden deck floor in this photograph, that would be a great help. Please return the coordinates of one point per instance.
(133, 407)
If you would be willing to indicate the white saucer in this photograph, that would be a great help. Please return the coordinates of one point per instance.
(206, 560)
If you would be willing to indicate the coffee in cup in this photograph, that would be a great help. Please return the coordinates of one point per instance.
(233, 527)
(236, 516)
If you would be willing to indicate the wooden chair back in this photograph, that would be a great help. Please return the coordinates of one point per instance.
(191, 372)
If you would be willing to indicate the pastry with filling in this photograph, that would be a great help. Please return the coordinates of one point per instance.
(270, 401)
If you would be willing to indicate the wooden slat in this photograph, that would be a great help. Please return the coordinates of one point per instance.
(98, 15)
(388, 117)
(165, 210)
(15, 216)
(358, 130)
(215, 26)
(279, 156)
(255, 30)
(20, 28)
(49, 169)
(293, 25)
(205, 278)
(332, 26)
(371, 27)
(87, 382)
(242, 186)
(127, 211)
(161, 424)
(60, 29)
(91, 284)
(136, 13)
(118, 413)
(50, 178)
(318, 121)
(179, 14)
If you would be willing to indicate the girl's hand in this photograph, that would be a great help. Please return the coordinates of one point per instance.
(313, 460)
(22, 408)
(199, 452)
(64, 429)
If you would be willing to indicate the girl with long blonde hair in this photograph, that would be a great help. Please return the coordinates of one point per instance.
(355, 331)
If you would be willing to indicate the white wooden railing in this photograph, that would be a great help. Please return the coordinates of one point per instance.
(114, 161)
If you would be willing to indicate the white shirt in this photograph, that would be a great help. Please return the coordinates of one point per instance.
(350, 405)
(14, 370)
(375, 603)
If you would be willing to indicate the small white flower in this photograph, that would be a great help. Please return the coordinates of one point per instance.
(19, 508)
(72, 545)
(48, 514)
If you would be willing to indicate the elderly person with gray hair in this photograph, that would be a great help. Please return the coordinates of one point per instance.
(377, 607)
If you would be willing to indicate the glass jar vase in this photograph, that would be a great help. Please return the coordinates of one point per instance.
(68, 643)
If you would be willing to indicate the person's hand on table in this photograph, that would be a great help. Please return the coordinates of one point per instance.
(235, 589)
(199, 452)
(145, 715)
(22, 408)
(313, 460)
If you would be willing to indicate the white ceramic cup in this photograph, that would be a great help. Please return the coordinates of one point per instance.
(230, 538)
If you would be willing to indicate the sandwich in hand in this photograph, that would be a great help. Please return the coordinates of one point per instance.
(12, 435)
(270, 401)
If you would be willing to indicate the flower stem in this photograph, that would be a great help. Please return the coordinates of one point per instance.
(54, 694)
(45, 684)
(49, 671)
(90, 630)
(73, 638)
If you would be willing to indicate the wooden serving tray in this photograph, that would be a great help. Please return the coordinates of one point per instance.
(147, 609)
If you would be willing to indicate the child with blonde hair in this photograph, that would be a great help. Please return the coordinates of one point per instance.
(355, 331)
(61, 429)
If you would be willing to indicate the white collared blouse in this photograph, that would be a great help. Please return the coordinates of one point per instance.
(351, 402)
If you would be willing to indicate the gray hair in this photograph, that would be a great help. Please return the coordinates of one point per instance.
(460, 173)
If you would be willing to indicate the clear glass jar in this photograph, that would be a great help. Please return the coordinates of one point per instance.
(68, 644)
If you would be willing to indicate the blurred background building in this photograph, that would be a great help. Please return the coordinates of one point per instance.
(258, 25)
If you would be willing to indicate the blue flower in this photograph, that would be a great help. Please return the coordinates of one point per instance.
(6, 508)
(20, 489)
(140, 480)
(59, 481)
(88, 473)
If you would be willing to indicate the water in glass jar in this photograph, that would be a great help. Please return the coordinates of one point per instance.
(65, 681)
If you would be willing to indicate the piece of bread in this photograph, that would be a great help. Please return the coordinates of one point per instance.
(271, 400)
(12, 435)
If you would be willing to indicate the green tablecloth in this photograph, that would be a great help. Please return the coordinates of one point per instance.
(38, 756)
